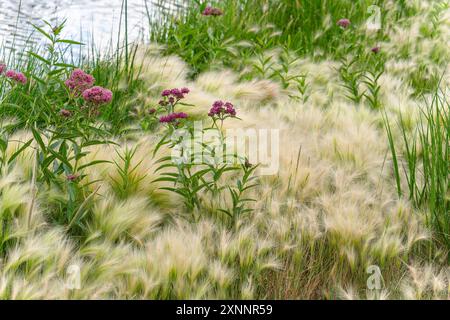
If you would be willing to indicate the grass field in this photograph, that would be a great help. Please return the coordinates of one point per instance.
(94, 205)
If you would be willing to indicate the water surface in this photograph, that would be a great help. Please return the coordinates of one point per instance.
(90, 21)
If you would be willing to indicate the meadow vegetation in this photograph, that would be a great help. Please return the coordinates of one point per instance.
(88, 183)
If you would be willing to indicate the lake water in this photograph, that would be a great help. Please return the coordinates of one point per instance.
(97, 21)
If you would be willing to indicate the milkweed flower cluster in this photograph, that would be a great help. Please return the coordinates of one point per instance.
(173, 117)
(222, 110)
(97, 96)
(65, 113)
(170, 99)
(81, 84)
(18, 77)
(375, 49)
(173, 95)
(79, 81)
(343, 23)
(210, 11)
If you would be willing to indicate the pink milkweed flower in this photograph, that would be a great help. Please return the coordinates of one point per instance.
(16, 76)
(79, 81)
(229, 109)
(216, 109)
(10, 74)
(210, 11)
(344, 23)
(72, 177)
(375, 49)
(2, 68)
(182, 115)
(185, 90)
(172, 117)
(65, 113)
(20, 77)
(97, 95)
(165, 119)
(221, 109)
(175, 93)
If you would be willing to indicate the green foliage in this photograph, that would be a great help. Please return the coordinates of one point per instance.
(424, 163)
(61, 141)
(198, 166)
(239, 205)
(372, 93)
(351, 78)
(128, 179)
(250, 27)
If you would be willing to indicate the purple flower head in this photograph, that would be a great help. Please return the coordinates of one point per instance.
(65, 113)
(2, 68)
(343, 23)
(72, 177)
(216, 109)
(172, 117)
(152, 111)
(219, 108)
(10, 74)
(182, 115)
(229, 109)
(165, 119)
(175, 94)
(218, 104)
(375, 49)
(79, 81)
(97, 95)
(207, 11)
(16, 76)
(210, 11)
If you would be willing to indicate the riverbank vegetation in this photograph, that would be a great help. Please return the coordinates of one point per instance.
(94, 205)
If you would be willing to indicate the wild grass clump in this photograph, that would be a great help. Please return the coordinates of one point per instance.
(423, 160)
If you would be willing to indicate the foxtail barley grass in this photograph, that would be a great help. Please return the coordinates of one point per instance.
(363, 167)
